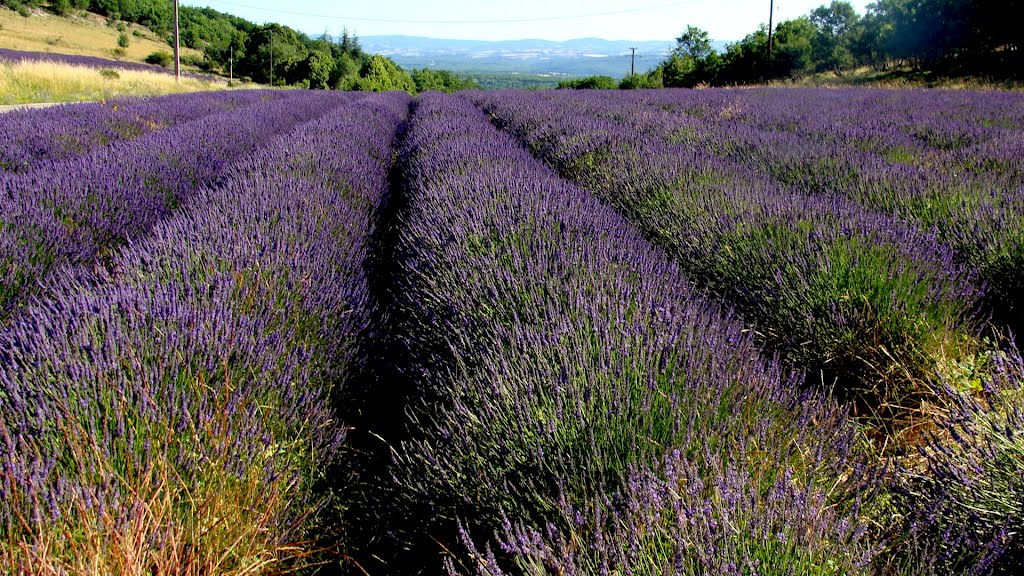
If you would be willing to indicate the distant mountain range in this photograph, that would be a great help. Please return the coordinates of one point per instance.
(583, 57)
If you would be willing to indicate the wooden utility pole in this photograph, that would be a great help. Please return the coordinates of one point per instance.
(632, 62)
(177, 58)
(771, 13)
(231, 63)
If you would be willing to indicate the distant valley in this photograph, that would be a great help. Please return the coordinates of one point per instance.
(582, 57)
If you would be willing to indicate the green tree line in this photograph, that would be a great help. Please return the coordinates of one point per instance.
(948, 37)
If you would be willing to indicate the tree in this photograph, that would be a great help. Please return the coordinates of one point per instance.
(692, 60)
(837, 26)
(1000, 35)
(794, 51)
(746, 61)
(345, 75)
(923, 31)
(867, 44)
(694, 42)
(590, 83)
(319, 67)
(157, 15)
(441, 81)
(835, 20)
(289, 55)
(381, 74)
(160, 58)
(651, 79)
(350, 44)
(64, 7)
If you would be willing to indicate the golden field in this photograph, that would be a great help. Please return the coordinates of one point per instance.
(26, 82)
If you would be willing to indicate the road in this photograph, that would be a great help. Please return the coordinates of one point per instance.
(13, 107)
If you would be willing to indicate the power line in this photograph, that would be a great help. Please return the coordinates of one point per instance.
(493, 21)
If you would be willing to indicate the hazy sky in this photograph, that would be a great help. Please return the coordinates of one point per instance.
(519, 19)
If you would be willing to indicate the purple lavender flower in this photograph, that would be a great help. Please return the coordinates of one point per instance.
(198, 368)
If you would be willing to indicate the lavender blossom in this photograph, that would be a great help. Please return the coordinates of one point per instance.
(182, 395)
(558, 356)
(863, 297)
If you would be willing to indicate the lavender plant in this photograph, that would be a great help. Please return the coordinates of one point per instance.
(569, 377)
(32, 138)
(78, 210)
(172, 414)
(951, 161)
(966, 498)
(866, 298)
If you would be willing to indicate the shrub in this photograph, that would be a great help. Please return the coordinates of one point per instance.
(122, 41)
(199, 61)
(118, 52)
(109, 73)
(590, 83)
(160, 58)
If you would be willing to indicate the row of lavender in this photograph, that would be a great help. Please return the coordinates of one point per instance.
(37, 137)
(579, 407)
(173, 414)
(8, 55)
(767, 247)
(952, 161)
(867, 298)
(77, 210)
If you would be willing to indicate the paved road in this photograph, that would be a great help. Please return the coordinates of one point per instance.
(13, 107)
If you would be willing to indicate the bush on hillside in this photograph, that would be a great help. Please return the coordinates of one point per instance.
(160, 58)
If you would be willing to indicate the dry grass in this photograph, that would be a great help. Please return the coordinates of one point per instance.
(87, 36)
(219, 523)
(27, 82)
(899, 77)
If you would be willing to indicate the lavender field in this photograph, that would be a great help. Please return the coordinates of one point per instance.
(514, 333)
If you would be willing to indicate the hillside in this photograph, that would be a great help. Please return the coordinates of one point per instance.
(82, 34)
(213, 42)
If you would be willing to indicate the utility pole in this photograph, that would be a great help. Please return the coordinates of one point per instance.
(271, 57)
(771, 13)
(632, 62)
(177, 59)
(231, 63)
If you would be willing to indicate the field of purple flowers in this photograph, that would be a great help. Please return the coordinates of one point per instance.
(673, 332)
